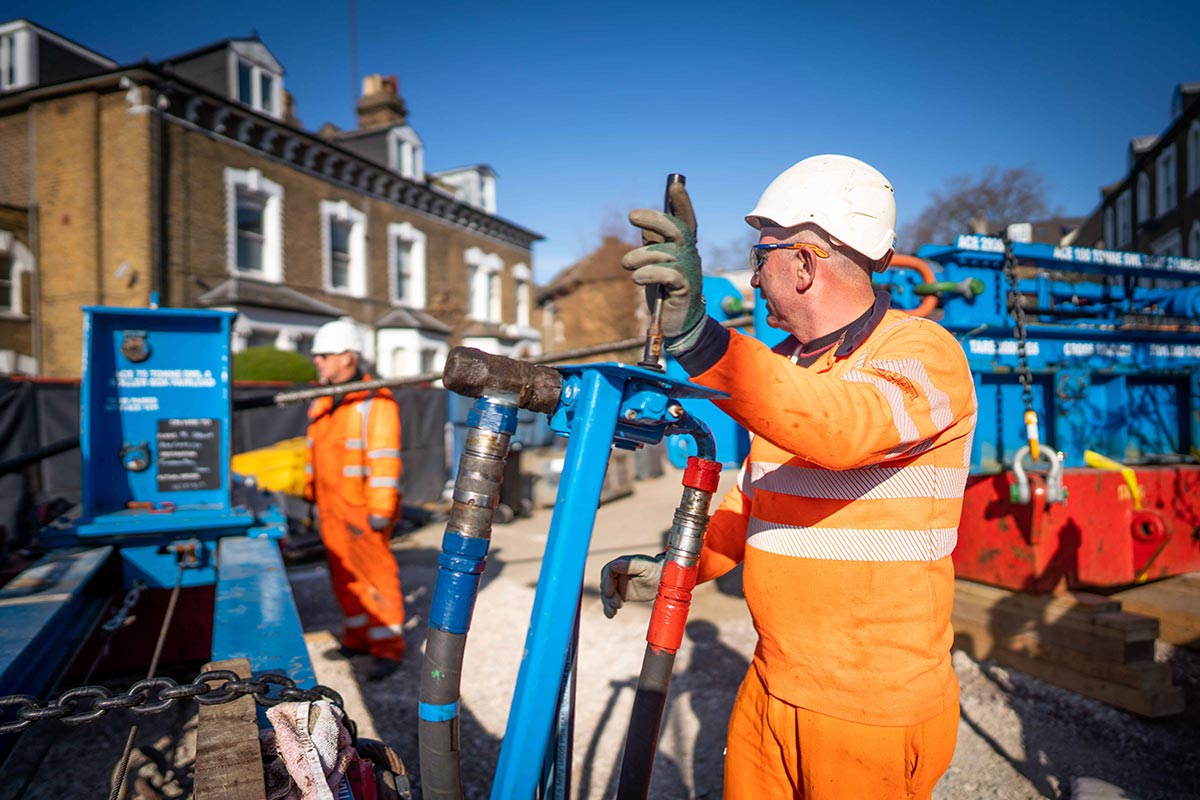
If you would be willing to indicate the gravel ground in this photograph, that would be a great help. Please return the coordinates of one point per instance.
(1019, 738)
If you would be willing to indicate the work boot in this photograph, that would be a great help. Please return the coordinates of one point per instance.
(382, 668)
(344, 651)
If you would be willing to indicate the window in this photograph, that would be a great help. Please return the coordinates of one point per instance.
(255, 86)
(8, 61)
(8, 271)
(1110, 239)
(344, 235)
(405, 153)
(1169, 244)
(254, 225)
(261, 338)
(1193, 156)
(429, 361)
(483, 285)
(1143, 198)
(406, 265)
(1165, 179)
(1194, 240)
(1124, 223)
(16, 269)
(522, 276)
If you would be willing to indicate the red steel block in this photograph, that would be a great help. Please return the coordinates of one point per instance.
(1096, 539)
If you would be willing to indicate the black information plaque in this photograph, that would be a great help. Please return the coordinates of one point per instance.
(189, 454)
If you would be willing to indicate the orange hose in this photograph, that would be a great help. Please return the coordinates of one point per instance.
(928, 304)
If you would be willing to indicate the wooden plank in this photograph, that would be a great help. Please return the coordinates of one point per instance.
(1160, 702)
(228, 760)
(1145, 675)
(1089, 639)
(1051, 607)
(1175, 602)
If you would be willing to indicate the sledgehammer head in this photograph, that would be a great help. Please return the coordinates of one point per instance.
(473, 373)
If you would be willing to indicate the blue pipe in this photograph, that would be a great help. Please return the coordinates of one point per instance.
(558, 590)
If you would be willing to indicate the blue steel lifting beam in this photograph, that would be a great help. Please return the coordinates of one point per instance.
(597, 407)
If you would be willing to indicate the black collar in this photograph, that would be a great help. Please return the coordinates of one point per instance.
(846, 339)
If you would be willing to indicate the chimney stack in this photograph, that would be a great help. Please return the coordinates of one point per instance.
(381, 105)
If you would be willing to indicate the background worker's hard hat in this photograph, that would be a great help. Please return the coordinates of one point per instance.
(848, 199)
(339, 336)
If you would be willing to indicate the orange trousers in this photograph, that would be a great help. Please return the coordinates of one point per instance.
(776, 750)
(366, 582)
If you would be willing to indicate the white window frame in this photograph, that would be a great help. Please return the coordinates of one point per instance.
(252, 180)
(1143, 197)
(342, 211)
(398, 232)
(18, 51)
(483, 295)
(406, 154)
(1110, 228)
(1166, 194)
(22, 273)
(1193, 156)
(1124, 219)
(270, 105)
(524, 280)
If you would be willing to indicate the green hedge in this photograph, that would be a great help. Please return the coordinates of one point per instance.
(269, 364)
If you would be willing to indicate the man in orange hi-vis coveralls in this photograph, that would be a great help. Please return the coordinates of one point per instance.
(847, 508)
(353, 476)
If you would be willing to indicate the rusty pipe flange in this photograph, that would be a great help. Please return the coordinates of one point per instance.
(471, 373)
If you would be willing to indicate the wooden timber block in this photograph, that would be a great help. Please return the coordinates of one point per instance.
(1175, 602)
(228, 759)
(1093, 626)
(1084, 643)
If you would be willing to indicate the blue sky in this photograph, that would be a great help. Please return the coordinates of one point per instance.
(583, 109)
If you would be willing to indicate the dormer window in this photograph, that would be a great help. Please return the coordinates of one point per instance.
(257, 88)
(406, 154)
(8, 61)
(255, 77)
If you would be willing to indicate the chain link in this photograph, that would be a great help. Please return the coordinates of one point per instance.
(120, 617)
(153, 695)
(1017, 310)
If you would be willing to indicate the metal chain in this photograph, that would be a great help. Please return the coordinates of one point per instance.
(154, 695)
(121, 616)
(1024, 375)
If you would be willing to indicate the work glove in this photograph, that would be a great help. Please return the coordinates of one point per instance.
(668, 258)
(633, 578)
(380, 523)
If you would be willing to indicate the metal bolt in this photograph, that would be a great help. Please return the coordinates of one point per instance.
(675, 411)
(631, 415)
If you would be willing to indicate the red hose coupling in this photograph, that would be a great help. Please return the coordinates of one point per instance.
(702, 474)
(671, 605)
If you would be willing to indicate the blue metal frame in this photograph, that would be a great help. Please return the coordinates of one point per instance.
(602, 406)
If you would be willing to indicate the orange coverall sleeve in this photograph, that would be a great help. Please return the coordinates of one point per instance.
(880, 409)
(383, 458)
(725, 539)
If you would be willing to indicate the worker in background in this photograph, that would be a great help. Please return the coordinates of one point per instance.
(353, 476)
(847, 508)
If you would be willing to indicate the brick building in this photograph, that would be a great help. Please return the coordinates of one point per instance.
(1155, 207)
(190, 180)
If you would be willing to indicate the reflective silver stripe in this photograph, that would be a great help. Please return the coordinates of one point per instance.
(354, 444)
(308, 470)
(357, 621)
(851, 544)
(384, 483)
(905, 425)
(939, 401)
(378, 632)
(309, 441)
(364, 409)
(356, 472)
(384, 452)
(867, 483)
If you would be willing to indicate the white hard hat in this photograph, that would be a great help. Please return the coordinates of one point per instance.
(339, 336)
(847, 198)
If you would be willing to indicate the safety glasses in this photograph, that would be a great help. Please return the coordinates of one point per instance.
(759, 252)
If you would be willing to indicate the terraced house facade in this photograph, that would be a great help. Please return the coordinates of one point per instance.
(191, 182)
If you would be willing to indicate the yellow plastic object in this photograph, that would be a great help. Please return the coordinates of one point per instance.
(1031, 432)
(278, 468)
(1094, 459)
